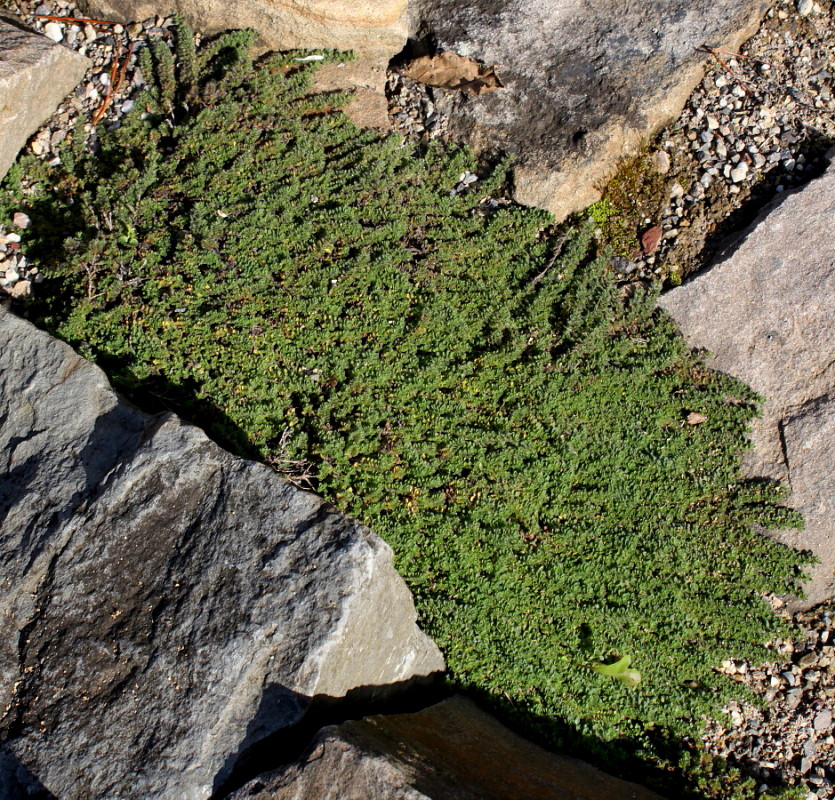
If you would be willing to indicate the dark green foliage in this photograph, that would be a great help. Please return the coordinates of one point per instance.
(318, 293)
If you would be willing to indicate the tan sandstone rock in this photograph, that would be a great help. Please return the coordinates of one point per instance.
(372, 28)
(35, 76)
(450, 751)
(766, 312)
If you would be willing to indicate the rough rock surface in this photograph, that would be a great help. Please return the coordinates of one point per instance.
(369, 28)
(767, 314)
(35, 75)
(585, 83)
(163, 604)
(365, 78)
(450, 751)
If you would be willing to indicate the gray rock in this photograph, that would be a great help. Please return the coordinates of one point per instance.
(35, 76)
(767, 314)
(450, 751)
(823, 720)
(373, 28)
(585, 84)
(163, 604)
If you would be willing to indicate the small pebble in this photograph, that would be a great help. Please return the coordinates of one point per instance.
(52, 30)
(823, 720)
(739, 172)
(661, 161)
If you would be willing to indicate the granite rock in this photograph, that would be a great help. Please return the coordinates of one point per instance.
(585, 84)
(35, 76)
(766, 312)
(165, 605)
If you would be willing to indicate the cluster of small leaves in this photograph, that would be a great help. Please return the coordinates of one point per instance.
(468, 385)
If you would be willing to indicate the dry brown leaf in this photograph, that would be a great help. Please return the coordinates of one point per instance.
(695, 418)
(448, 70)
(651, 238)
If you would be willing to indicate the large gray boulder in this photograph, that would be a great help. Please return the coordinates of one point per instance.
(35, 76)
(449, 751)
(163, 604)
(372, 28)
(767, 315)
(584, 83)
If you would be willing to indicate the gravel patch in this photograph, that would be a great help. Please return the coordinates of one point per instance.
(107, 92)
(790, 740)
(759, 124)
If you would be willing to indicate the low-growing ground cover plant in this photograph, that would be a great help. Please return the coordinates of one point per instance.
(557, 474)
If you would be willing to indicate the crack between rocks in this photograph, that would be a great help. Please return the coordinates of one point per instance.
(781, 432)
(285, 747)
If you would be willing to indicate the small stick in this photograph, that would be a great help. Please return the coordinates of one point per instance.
(551, 261)
(713, 51)
(124, 68)
(117, 75)
(55, 18)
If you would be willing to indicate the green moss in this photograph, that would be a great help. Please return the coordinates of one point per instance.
(315, 294)
(636, 193)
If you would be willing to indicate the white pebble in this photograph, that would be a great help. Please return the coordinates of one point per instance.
(21, 220)
(127, 106)
(12, 237)
(739, 172)
(805, 7)
(52, 30)
(12, 274)
(104, 79)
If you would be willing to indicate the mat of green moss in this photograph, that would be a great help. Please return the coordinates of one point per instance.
(453, 373)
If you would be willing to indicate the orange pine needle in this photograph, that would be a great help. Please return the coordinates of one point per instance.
(55, 18)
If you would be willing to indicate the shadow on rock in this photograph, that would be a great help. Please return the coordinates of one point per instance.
(262, 751)
(17, 783)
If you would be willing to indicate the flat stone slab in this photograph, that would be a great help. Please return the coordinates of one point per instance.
(165, 605)
(767, 315)
(35, 76)
(449, 751)
(585, 84)
(372, 28)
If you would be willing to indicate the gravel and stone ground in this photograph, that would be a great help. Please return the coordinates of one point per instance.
(788, 739)
(760, 123)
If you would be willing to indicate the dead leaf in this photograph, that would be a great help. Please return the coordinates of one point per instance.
(695, 418)
(448, 70)
(651, 238)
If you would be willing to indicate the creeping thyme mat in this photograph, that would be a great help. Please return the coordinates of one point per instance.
(557, 474)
